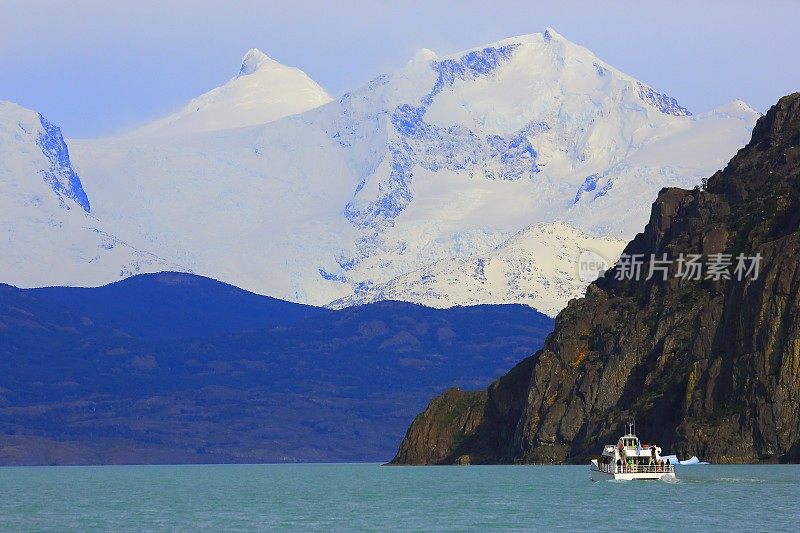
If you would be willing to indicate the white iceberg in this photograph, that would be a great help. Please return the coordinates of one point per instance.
(673, 460)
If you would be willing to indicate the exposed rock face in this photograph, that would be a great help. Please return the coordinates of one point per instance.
(442, 426)
(707, 367)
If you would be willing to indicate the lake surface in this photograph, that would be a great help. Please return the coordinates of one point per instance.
(317, 497)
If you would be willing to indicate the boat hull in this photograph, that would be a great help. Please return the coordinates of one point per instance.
(599, 475)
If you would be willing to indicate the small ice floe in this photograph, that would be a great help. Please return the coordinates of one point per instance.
(693, 460)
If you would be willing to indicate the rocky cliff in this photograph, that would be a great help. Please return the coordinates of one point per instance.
(707, 366)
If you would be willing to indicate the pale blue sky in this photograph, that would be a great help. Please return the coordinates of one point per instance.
(100, 66)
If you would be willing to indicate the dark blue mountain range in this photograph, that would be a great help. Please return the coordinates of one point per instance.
(176, 368)
(172, 305)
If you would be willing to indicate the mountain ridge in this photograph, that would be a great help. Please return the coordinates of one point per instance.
(230, 377)
(438, 162)
(173, 305)
(373, 188)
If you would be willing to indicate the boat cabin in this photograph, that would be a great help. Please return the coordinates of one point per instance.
(631, 458)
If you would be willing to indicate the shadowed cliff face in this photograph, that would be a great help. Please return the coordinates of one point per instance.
(707, 367)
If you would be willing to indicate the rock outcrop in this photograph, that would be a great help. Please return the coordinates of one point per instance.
(708, 367)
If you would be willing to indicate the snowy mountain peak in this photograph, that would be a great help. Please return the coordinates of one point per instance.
(263, 91)
(254, 60)
(552, 54)
(736, 108)
(559, 47)
(743, 106)
(424, 54)
(550, 34)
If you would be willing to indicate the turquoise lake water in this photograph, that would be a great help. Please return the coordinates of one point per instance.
(371, 497)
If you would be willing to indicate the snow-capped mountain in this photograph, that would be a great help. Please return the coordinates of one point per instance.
(263, 90)
(433, 166)
(50, 235)
(544, 266)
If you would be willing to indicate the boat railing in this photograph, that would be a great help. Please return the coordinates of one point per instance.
(636, 469)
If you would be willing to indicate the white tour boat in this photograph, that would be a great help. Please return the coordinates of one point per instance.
(630, 459)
